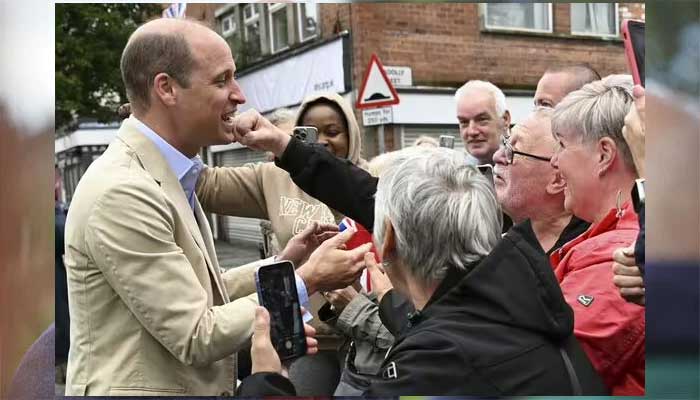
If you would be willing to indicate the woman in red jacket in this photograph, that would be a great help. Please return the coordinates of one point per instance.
(597, 166)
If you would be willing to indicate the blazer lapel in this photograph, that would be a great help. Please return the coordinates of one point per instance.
(205, 230)
(155, 164)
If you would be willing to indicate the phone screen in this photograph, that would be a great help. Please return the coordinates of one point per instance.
(633, 33)
(277, 292)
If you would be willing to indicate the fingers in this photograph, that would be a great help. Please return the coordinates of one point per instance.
(339, 239)
(632, 291)
(638, 92)
(309, 331)
(621, 256)
(309, 230)
(261, 326)
(311, 346)
(326, 228)
(623, 281)
(371, 263)
(325, 236)
(626, 270)
(358, 253)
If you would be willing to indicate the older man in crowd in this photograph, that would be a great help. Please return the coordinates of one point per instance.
(483, 118)
(598, 171)
(529, 190)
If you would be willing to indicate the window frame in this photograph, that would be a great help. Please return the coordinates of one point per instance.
(483, 10)
(596, 35)
(231, 18)
(301, 24)
(247, 21)
(271, 9)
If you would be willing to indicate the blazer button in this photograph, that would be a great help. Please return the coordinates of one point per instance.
(226, 394)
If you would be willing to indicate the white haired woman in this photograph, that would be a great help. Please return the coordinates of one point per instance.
(490, 321)
(596, 163)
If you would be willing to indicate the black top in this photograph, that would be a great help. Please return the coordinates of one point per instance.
(336, 182)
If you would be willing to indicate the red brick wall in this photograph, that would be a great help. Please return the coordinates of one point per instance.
(334, 18)
(444, 45)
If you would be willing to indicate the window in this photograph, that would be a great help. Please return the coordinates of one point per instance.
(251, 32)
(228, 26)
(596, 19)
(250, 11)
(530, 17)
(308, 20)
(279, 39)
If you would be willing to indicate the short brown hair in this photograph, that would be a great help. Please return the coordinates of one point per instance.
(149, 54)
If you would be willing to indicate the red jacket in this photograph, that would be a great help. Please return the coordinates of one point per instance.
(610, 329)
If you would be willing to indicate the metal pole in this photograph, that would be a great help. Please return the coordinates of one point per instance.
(380, 138)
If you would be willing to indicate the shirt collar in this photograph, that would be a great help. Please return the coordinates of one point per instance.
(186, 169)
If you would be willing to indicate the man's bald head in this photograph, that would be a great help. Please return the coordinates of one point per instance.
(163, 45)
(557, 82)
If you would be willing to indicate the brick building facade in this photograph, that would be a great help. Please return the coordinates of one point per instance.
(446, 44)
(285, 51)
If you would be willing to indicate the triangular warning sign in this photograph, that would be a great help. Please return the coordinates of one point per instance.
(376, 90)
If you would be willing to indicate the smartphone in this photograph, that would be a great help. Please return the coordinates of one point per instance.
(277, 292)
(633, 36)
(447, 141)
(307, 134)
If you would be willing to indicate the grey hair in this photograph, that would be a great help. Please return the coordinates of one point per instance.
(282, 116)
(598, 110)
(443, 211)
(498, 97)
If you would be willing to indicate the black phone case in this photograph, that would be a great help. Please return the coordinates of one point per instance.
(288, 343)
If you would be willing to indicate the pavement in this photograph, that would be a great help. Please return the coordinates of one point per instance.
(230, 255)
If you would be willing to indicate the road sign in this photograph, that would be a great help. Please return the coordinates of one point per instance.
(376, 90)
(377, 116)
(399, 76)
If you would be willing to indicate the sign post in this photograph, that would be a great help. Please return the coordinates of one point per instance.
(376, 91)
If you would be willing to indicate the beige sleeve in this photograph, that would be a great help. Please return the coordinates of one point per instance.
(240, 281)
(130, 237)
(236, 191)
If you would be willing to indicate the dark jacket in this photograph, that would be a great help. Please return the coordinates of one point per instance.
(62, 314)
(498, 329)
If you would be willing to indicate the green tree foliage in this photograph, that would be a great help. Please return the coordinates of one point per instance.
(89, 42)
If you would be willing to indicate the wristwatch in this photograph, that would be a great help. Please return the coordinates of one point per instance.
(638, 195)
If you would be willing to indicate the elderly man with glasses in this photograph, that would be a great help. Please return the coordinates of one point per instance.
(529, 190)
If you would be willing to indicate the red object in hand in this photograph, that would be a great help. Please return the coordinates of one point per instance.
(360, 237)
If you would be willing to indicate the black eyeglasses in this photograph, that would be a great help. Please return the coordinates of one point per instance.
(510, 152)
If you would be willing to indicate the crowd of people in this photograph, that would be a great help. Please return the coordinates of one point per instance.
(461, 302)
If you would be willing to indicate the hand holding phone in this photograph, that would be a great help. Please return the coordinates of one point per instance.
(276, 287)
(307, 134)
(447, 141)
(633, 36)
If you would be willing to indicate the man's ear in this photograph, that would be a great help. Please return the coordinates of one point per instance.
(389, 245)
(506, 119)
(164, 90)
(606, 154)
(556, 184)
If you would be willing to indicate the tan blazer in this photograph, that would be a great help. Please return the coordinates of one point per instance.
(151, 312)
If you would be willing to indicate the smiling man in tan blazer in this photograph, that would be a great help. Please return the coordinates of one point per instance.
(151, 312)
